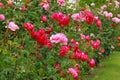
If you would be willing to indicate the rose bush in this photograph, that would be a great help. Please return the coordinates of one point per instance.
(56, 39)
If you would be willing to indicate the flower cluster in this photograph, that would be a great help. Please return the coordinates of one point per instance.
(62, 19)
(40, 36)
(88, 17)
(59, 38)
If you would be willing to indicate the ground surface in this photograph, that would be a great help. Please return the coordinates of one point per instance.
(109, 68)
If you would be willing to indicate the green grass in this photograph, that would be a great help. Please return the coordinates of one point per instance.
(109, 68)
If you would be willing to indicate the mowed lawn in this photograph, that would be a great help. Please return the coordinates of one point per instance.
(109, 68)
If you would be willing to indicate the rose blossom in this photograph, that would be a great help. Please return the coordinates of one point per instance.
(116, 20)
(63, 51)
(61, 2)
(59, 37)
(73, 72)
(87, 38)
(46, 7)
(44, 18)
(118, 15)
(1, 4)
(95, 18)
(28, 26)
(118, 38)
(23, 8)
(62, 19)
(95, 44)
(12, 26)
(108, 15)
(89, 17)
(83, 57)
(82, 36)
(103, 7)
(2, 17)
(91, 63)
(98, 23)
(77, 17)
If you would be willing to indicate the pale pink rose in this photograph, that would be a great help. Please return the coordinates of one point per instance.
(73, 72)
(2, 17)
(116, 20)
(112, 47)
(59, 38)
(46, 7)
(82, 36)
(103, 7)
(77, 17)
(108, 15)
(96, 18)
(61, 2)
(116, 2)
(118, 15)
(105, 12)
(12, 26)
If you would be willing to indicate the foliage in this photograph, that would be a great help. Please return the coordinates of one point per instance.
(25, 55)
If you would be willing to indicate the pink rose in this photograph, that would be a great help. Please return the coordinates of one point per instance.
(96, 18)
(12, 26)
(103, 7)
(2, 17)
(83, 57)
(91, 63)
(87, 38)
(98, 23)
(116, 2)
(63, 51)
(118, 15)
(95, 44)
(78, 17)
(61, 2)
(108, 15)
(44, 18)
(1, 4)
(59, 38)
(23, 8)
(73, 72)
(46, 7)
(116, 20)
(82, 36)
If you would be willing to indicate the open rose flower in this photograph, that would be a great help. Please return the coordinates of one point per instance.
(116, 20)
(76, 17)
(91, 63)
(74, 71)
(12, 26)
(63, 51)
(95, 44)
(61, 2)
(59, 38)
(107, 15)
(28, 26)
(46, 7)
(2, 17)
